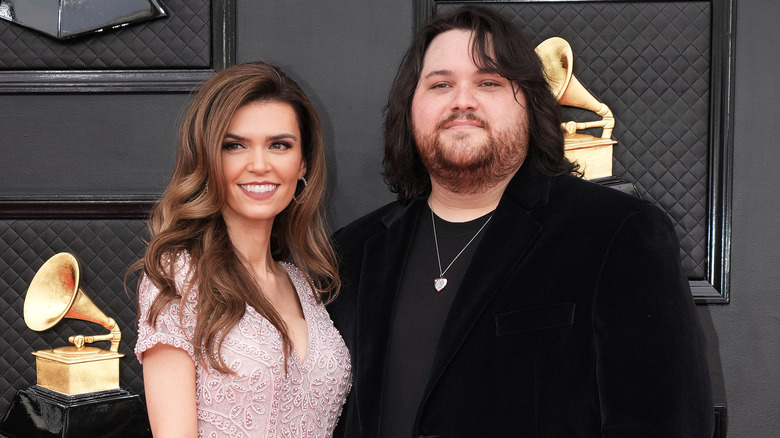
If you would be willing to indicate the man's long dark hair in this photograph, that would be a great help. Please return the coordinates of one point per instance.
(499, 46)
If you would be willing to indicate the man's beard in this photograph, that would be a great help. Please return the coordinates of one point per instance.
(469, 168)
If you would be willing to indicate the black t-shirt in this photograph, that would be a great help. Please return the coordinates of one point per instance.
(419, 315)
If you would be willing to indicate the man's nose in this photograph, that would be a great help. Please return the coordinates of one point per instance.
(464, 99)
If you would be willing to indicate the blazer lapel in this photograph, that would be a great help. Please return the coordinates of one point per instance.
(507, 238)
(384, 259)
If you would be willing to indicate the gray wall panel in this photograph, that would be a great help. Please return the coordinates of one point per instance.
(345, 54)
(746, 332)
(86, 143)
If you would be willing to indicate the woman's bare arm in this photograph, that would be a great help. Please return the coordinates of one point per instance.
(169, 383)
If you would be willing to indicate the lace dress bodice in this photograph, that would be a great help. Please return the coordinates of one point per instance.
(259, 400)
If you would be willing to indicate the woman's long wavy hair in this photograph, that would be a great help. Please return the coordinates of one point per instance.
(188, 219)
(499, 46)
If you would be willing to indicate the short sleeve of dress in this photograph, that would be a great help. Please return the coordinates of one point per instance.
(176, 323)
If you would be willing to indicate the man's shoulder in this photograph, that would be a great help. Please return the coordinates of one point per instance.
(370, 223)
(589, 203)
(580, 191)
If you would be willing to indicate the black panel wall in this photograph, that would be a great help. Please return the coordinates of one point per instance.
(345, 55)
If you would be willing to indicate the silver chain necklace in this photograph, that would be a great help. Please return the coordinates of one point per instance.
(440, 282)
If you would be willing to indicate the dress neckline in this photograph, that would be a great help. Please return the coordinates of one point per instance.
(294, 273)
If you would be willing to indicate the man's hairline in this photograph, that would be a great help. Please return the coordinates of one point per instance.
(472, 43)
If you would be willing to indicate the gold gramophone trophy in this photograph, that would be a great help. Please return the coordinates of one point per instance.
(54, 294)
(593, 154)
(77, 392)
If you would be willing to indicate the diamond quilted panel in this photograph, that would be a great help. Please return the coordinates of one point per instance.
(180, 40)
(649, 62)
(105, 248)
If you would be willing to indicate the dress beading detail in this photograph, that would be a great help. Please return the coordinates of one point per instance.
(258, 400)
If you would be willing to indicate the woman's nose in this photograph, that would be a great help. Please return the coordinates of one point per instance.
(258, 162)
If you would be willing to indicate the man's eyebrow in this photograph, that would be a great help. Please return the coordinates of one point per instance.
(438, 73)
(489, 71)
(445, 72)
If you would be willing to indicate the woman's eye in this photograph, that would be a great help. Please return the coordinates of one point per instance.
(232, 146)
(280, 145)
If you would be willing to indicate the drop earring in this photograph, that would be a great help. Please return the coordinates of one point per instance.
(305, 183)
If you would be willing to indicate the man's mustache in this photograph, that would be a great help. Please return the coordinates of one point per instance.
(470, 116)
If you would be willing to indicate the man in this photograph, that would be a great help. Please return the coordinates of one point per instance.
(502, 296)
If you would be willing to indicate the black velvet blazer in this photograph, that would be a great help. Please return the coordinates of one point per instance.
(574, 319)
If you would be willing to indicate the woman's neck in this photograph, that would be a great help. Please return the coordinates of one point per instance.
(253, 245)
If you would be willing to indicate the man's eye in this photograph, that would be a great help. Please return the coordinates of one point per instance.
(490, 84)
(440, 85)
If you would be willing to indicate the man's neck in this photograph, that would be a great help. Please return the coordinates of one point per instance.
(463, 207)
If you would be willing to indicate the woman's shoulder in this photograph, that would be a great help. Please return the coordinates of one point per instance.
(295, 273)
(177, 267)
(181, 262)
(299, 280)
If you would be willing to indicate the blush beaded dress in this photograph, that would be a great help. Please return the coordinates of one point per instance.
(259, 399)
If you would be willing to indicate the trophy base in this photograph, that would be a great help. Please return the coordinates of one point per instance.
(37, 412)
(618, 184)
(74, 371)
(594, 156)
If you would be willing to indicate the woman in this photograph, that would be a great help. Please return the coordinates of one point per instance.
(233, 335)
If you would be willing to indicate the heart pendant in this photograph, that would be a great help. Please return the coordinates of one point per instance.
(439, 283)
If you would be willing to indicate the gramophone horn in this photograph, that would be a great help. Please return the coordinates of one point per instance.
(556, 56)
(557, 59)
(54, 294)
